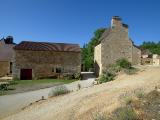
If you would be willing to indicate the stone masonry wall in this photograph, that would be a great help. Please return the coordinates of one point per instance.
(44, 63)
(4, 68)
(116, 46)
(136, 56)
(97, 60)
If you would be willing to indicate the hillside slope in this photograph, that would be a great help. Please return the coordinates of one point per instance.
(81, 105)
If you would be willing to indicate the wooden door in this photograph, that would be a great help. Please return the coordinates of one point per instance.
(26, 74)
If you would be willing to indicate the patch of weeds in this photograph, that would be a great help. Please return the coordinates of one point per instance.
(108, 76)
(128, 100)
(99, 116)
(140, 94)
(131, 70)
(123, 63)
(13, 82)
(59, 90)
(4, 86)
(125, 113)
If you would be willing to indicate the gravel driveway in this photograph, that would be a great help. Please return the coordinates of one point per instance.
(10, 104)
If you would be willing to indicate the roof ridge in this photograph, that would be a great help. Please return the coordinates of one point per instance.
(49, 42)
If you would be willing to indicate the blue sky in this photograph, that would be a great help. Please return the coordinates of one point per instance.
(74, 21)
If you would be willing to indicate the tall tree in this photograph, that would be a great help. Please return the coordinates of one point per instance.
(88, 49)
(151, 46)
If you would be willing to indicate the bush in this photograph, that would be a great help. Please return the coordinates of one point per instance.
(4, 86)
(108, 76)
(59, 90)
(123, 63)
(125, 113)
(130, 71)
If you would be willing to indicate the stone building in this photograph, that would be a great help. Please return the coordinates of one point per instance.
(34, 60)
(6, 55)
(115, 44)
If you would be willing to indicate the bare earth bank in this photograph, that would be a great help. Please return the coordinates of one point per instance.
(82, 104)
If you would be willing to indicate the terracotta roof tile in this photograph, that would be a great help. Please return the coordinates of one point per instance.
(46, 46)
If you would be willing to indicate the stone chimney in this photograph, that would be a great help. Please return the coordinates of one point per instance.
(116, 21)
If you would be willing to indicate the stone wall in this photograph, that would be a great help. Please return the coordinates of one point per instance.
(4, 68)
(97, 60)
(44, 63)
(136, 59)
(116, 46)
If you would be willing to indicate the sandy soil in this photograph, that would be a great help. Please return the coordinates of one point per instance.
(82, 104)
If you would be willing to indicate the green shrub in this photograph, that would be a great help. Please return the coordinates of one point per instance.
(123, 63)
(4, 86)
(125, 113)
(114, 68)
(59, 90)
(130, 71)
(108, 76)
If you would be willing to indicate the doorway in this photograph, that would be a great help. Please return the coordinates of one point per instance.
(26, 74)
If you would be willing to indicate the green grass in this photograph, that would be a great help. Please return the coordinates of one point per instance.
(41, 81)
(18, 86)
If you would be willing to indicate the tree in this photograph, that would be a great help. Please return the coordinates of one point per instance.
(151, 46)
(88, 49)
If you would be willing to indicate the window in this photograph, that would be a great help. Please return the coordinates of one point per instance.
(59, 69)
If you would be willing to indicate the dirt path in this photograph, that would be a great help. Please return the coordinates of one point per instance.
(80, 105)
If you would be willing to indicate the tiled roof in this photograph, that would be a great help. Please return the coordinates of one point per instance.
(46, 46)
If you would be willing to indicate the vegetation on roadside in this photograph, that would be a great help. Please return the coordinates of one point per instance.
(17, 86)
(59, 90)
(120, 65)
(135, 108)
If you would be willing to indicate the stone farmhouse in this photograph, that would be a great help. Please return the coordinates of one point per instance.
(34, 60)
(115, 44)
(6, 55)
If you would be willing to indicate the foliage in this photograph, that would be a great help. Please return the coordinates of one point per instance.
(108, 76)
(151, 46)
(4, 86)
(88, 49)
(140, 94)
(59, 90)
(125, 113)
(130, 71)
(123, 63)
